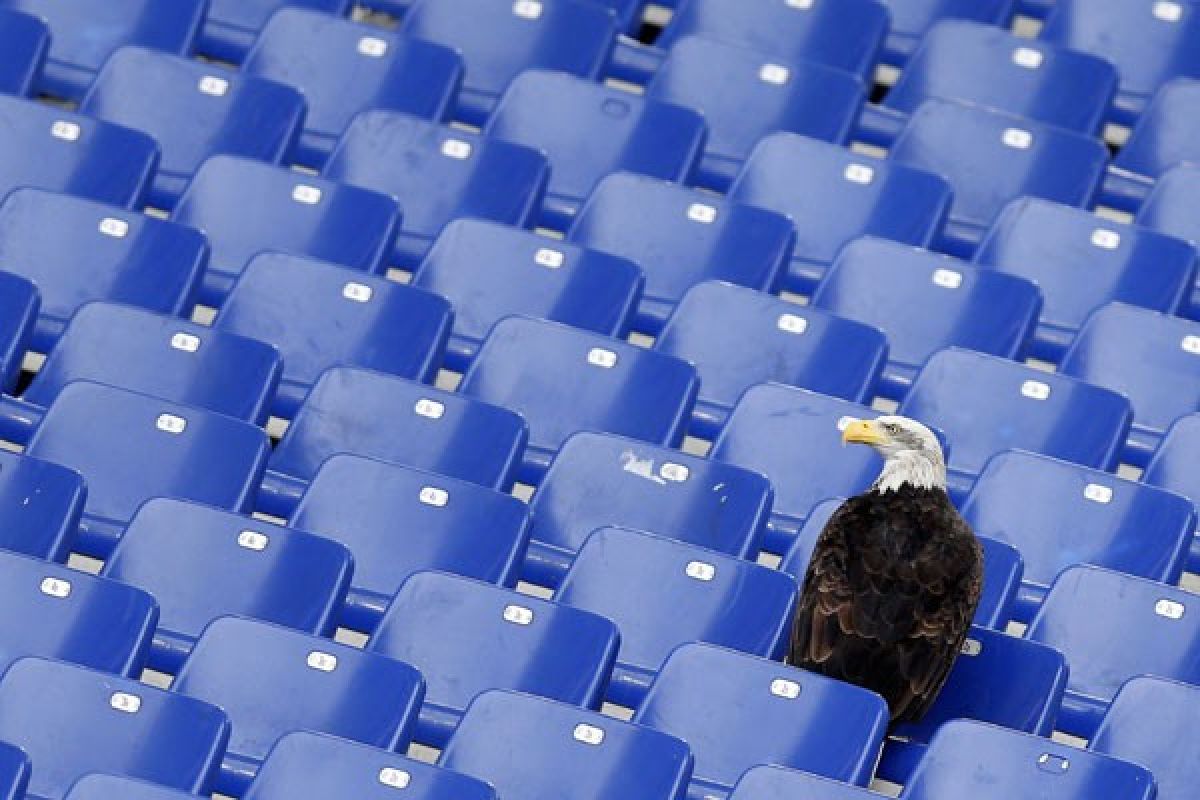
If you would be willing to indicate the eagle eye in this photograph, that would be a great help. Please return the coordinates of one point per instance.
(891, 428)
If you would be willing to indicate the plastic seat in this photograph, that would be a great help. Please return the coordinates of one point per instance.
(745, 95)
(344, 67)
(84, 34)
(442, 625)
(563, 380)
(1173, 467)
(319, 315)
(131, 258)
(72, 722)
(738, 711)
(201, 563)
(498, 41)
(991, 157)
(987, 762)
(566, 753)
(19, 305)
(40, 506)
(681, 237)
(25, 41)
(663, 593)
(912, 19)
(232, 26)
(398, 521)
(848, 196)
(314, 766)
(987, 405)
(272, 681)
(1169, 209)
(438, 174)
(924, 302)
(1112, 627)
(99, 786)
(588, 130)
(489, 271)
(1160, 140)
(194, 110)
(777, 783)
(246, 207)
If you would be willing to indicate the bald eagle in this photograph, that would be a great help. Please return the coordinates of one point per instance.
(894, 578)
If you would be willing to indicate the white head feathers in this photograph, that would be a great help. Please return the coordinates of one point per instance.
(912, 454)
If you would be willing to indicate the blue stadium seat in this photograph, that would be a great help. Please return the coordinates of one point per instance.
(246, 207)
(201, 563)
(98, 786)
(72, 722)
(745, 95)
(588, 130)
(681, 237)
(194, 110)
(314, 766)
(131, 258)
(345, 67)
(912, 19)
(231, 26)
(320, 315)
(563, 380)
(664, 593)
(1161, 138)
(398, 521)
(489, 271)
(272, 681)
(924, 302)
(1170, 208)
(19, 305)
(467, 637)
(848, 195)
(1173, 467)
(1112, 627)
(500, 40)
(566, 753)
(776, 783)
(438, 174)
(738, 711)
(25, 41)
(987, 762)
(40, 506)
(992, 157)
(986, 405)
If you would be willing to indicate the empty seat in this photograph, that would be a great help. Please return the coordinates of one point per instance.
(738, 337)
(25, 40)
(912, 19)
(681, 237)
(345, 67)
(924, 302)
(467, 637)
(319, 315)
(99, 786)
(438, 174)
(1169, 209)
(246, 207)
(40, 506)
(563, 380)
(1112, 627)
(565, 754)
(848, 196)
(19, 305)
(272, 681)
(489, 271)
(1173, 467)
(777, 783)
(72, 722)
(231, 26)
(1160, 139)
(398, 521)
(588, 130)
(201, 563)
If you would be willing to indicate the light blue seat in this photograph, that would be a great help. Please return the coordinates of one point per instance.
(912, 19)
(40, 506)
(99, 786)
(1160, 140)
(232, 26)
(25, 40)
(1173, 468)
(1168, 209)
(777, 783)
(19, 306)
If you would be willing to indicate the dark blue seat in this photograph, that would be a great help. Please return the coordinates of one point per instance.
(231, 26)
(598, 479)
(194, 110)
(319, 315)
(1080, 263)
(498, 41)
(588, 130)
(681, 237)
(98, 786)
(398, 521)
(489, 271)
(25, 42)
(315, 766)
(467, 637)
(1161, 138)
(776, 783)
(563, 380)
(438, 174)
(663, 593)
(1112, 627)
(246, 207)
(40, 506)
(1173, 467)
(848, 196)
(19, 305)
(924, 302)
(272, 680)
(566, 753)
(745, 95)
(345, 67)
(1169, 209)
(986, 405)
(72, 722)
(201, 563)
(912, 19)
(131, 258)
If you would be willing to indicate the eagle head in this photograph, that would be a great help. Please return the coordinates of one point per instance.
(912, 455)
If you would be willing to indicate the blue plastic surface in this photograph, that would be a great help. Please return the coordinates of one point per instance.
(40, 506)
(1173, 467)
(776, 783)
(231, 26)
(1170, 208)
(912, 19)
(19, 305)
(98, 786)
(1162, 137)
(25, 42)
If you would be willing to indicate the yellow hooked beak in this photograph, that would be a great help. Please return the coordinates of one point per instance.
(863, 431)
